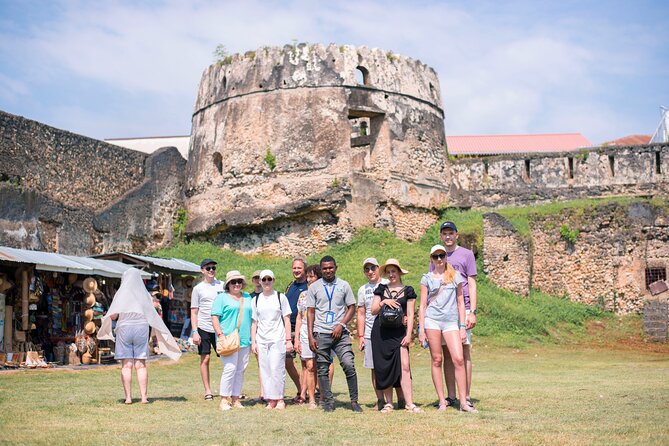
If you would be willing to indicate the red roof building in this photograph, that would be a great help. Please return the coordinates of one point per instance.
(629, 140)
(504, 144)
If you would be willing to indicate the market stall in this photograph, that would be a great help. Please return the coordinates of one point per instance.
(171, 283)
(50, 302)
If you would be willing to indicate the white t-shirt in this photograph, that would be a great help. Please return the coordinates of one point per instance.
(202, 298)
(365, 299)
(269, 315)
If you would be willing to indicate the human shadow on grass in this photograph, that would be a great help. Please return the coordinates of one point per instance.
(155, 399)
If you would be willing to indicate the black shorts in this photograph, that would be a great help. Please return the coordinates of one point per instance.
(293, 354)
(207, 341)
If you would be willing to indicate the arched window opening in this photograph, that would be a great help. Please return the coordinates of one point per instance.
(362, 75)
(218, 162)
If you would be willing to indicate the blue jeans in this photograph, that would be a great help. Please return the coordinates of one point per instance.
(344, 352)
(185, 331)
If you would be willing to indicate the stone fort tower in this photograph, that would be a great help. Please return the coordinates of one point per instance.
(298, 146)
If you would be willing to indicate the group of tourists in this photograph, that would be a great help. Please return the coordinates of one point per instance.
(311, 319)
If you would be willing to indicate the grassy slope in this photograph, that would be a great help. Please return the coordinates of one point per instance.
(505, 318)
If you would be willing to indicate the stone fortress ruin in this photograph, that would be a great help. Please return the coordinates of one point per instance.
(295, 148)
(298, 146)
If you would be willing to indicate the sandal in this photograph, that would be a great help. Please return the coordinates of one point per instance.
(379, 405)
(413, 408)
(469, 401)
(387, 408)
(468, 408)
(209, 397)
(299, 400)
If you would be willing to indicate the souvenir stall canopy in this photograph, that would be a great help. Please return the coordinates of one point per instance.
(171, 285)
(49, 300)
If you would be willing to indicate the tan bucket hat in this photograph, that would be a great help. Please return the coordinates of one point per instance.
(90, 285)
(392, 262)
(232, 275)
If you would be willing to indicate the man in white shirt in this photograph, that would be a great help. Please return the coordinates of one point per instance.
(203, 296)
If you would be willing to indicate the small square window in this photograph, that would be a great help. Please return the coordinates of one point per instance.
(655, 274)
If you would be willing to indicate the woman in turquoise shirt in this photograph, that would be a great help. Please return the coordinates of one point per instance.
(225, 317)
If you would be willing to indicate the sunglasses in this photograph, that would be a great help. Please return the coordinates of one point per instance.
(236, 282)
(210, 268)
(371, 268)
(266, 279)
(441, 256)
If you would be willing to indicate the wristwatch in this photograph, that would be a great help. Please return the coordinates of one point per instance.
(474, 312)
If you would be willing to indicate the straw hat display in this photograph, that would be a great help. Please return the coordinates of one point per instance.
(5, 284)
(86, 358)
(90, 285)
(71, 278)
(89, 300)
(88, 315)
(89, 328)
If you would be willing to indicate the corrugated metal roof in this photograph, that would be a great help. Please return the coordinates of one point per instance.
(171, 264)
(49, 261)
(502, 144)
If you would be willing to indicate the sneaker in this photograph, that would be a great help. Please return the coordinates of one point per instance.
(328, 407)
(380, 404)
(401, 404)
(355, 407)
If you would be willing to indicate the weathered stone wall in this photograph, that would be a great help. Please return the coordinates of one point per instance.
(656, 317)
(302, 105)
(504, 180)
(506, 255)
(605, 264)
(75, 195)
(71, 169)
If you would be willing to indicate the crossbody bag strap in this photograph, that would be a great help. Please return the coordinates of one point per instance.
(431, 297)
(241, 307)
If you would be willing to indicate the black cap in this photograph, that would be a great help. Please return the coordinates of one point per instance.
(448, 225)
(207, 262)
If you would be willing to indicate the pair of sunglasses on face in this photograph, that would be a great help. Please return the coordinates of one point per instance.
(236, 282)
(266, 279)
(210, 268)
(371, 268)
(441, 256)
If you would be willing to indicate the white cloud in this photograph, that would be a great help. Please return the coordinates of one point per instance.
(502, 70)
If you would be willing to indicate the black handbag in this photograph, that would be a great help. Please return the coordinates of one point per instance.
(392, 317)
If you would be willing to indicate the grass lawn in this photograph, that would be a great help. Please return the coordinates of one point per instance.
(548, 394)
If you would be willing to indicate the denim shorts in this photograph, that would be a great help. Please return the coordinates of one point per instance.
(132, 342)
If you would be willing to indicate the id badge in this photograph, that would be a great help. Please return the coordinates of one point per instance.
(329, 317)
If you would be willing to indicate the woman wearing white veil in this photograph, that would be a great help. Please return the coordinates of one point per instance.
(133, 307)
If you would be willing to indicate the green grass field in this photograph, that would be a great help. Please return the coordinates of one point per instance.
(546, 371)
(554, 395)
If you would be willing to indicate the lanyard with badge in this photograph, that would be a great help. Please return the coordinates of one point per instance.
(329, 315)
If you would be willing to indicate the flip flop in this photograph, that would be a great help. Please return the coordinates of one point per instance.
(209, 397)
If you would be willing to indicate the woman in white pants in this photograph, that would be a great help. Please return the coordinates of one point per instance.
(225, 318)
(269, 339)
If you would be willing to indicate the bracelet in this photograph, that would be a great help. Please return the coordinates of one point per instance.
(463, 326)
(289, 340)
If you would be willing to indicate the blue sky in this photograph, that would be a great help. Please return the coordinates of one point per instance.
(131, 68)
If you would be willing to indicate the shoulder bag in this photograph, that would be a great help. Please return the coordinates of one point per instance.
(227, 345)
(392, 317)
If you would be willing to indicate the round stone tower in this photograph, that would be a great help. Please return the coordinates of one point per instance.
(296, 147)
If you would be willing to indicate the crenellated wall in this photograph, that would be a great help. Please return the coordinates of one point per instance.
(527, 179)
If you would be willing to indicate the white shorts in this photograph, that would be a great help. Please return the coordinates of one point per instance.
(468, 340)
(431, 324)
(306, 350)
(368, 359)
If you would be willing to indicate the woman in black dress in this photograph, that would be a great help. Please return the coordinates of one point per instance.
(391, 337)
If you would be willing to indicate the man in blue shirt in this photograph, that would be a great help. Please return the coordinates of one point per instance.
(293, 292)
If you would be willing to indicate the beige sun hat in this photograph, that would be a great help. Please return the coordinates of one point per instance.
(393, 262)
(232, 275)
(437, 248)
(90, 285)
(256, 273)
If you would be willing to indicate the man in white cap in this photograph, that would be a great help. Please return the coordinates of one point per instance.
(202, 298)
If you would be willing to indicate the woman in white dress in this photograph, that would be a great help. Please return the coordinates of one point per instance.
(270, 340)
